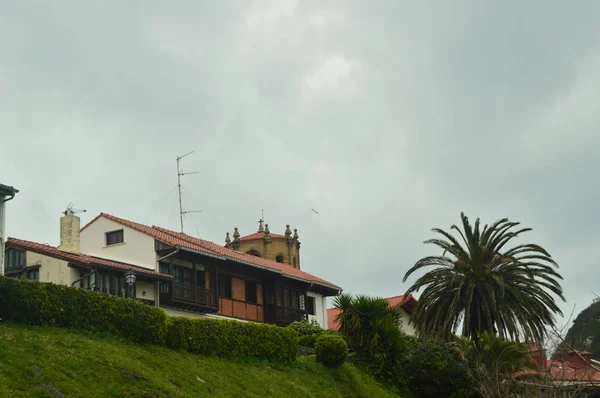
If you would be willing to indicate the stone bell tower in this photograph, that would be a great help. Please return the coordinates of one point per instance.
(280, 248)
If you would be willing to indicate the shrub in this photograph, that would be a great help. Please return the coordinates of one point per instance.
(227, 338)
(37, 303)
(433, 369)
(307, 332)
(308, 340)
(305, 328)
(331, 349)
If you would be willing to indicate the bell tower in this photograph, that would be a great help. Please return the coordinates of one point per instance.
(283, 249)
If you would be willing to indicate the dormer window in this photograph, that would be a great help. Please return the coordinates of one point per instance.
(114, 237)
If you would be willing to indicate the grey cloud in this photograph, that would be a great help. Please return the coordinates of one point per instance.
(389, 120)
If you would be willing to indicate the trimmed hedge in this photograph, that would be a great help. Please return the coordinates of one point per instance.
(331, 349)
(225, 338)
(37, 303)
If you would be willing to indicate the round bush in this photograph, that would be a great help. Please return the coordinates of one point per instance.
(331, 349)
(436, 370)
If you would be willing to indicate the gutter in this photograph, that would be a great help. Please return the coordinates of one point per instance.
(15, 191)
(187, 249)
(227, 258)
(278, 272)
(169, 255)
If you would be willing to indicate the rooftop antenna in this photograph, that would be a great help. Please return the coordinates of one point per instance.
(179, 174)
(72, 211)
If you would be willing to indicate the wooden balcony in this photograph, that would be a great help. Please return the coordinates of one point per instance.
(283, 316)
(189, 297)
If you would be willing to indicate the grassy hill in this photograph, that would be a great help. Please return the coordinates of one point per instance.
(51, 362)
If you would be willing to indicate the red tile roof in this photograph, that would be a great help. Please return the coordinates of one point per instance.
(407, 303)
(83, 259)
(566, 371)
(260, 235)
(178, 239)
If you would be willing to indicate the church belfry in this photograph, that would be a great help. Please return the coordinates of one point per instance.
(281, 248)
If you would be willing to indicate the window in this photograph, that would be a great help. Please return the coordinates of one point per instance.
(225, 286)
(163, 268)
(279, 258)
(15, 258)
(18, 275)
(302, 300)
(34, 275)
(310, 305)
(251, 292)
(114, 237)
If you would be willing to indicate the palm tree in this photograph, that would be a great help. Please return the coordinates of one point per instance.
(485, 287)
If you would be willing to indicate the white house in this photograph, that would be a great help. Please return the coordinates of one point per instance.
(183, 275)
(406, 304)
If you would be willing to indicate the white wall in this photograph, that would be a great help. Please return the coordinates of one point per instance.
(407, 327)
(320, 310)
(52, 269)
(137, 248)
(143, 286)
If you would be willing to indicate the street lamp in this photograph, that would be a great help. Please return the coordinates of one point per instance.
(130, 277)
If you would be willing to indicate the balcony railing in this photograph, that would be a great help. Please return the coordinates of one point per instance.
(194, 295)
(284, 315)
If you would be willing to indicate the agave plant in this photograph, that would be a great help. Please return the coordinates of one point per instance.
(360, 317)
(484, 286)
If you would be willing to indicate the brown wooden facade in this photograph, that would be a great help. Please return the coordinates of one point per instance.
(228, 288)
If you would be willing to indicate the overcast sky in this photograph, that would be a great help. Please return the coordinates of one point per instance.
(388, 118)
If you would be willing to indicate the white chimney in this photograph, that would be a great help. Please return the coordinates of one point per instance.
(69, 233)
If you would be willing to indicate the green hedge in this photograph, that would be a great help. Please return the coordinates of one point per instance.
(331, 350)
(227, 338)
(36, 303)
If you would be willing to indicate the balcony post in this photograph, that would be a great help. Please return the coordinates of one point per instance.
(195, 283)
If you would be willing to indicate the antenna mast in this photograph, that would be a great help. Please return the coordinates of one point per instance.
(179, 174)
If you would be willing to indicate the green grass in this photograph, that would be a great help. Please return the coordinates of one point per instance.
(51, 362)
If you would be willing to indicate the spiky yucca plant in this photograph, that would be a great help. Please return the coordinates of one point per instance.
(481, 285)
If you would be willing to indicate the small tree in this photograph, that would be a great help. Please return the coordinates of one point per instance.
(331, 350)
(493, 363)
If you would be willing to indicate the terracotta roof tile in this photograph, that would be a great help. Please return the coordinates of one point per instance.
(565, 371)
(178, 239)
(84, 259)
(260, 235)
(405, 302)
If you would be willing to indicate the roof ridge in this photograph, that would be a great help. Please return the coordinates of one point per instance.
(214, 249)
(83, 258)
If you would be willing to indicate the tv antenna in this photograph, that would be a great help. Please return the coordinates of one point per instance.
(179, 174)
(72, 211)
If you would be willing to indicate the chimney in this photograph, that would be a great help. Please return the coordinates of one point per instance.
(69, 233)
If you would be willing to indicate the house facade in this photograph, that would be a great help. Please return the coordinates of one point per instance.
(6, 193)
(406, 304)
(185, 276)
